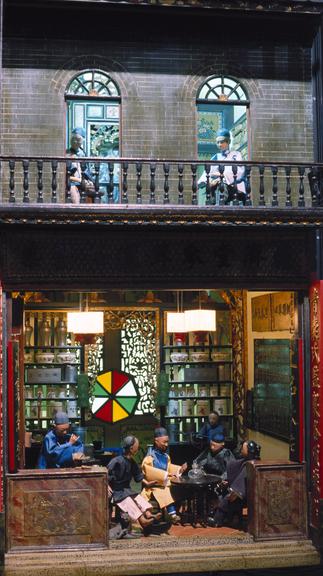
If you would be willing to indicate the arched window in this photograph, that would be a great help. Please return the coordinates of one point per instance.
(93, 83)
(93, 108)
(222, 102)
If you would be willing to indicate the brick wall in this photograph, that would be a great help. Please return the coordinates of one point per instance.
(159, 76)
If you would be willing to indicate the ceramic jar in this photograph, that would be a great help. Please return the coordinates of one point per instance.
(44, 357)
(66, 357)
(199, 356)
(179, 356)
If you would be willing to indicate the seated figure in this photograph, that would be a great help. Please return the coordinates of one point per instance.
(121, 470)
(60, 449)
(234, 489)
(211, 430)
(214, 459)
(157, 468)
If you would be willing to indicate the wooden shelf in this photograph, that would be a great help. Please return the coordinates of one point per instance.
(199, 382)
(195, 346)
(52, 418)
(191, 363)
(50, 364)
(193, 417)
(53, 347)
(199, 397)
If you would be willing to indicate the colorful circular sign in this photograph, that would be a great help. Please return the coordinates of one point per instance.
(115, 396)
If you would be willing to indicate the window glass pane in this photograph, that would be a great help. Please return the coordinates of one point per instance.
(96, 80)
(221, 85)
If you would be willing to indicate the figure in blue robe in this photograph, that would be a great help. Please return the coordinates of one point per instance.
(60, 449)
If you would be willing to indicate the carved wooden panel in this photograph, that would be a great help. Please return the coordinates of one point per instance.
(276, 500)
(57, 508)
(145, 257)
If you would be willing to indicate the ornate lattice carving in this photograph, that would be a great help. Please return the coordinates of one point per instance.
(139, 350)
(236, 301)
(316, 437)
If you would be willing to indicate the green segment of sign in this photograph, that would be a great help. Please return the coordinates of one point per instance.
(127, 403)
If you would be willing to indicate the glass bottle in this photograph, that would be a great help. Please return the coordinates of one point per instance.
(72, 404)
(51, 402)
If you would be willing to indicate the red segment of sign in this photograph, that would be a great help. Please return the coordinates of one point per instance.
(105, 413)
(119, 380)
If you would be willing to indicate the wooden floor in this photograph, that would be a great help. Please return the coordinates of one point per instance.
(184, 550)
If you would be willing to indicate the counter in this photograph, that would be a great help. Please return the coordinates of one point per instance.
(57, 508)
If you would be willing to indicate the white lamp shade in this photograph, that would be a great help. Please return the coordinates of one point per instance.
(175, 322)
(85, 322)
(200, 320)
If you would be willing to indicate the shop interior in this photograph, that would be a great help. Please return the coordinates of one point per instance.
(242, 367)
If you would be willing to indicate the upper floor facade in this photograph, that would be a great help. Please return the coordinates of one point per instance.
(148, 85)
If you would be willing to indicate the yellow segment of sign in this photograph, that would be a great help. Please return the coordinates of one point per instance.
(118, 413)
(106, 381)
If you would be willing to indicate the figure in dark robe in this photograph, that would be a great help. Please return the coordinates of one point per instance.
(121, 471)
(234, 496)
(215, 458)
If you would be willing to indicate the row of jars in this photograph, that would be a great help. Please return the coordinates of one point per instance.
(48, 333)
(198, 407)
(41, 403)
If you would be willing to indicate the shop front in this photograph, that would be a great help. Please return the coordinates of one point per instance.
(253, 367)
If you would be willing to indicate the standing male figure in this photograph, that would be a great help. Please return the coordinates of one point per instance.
(223, 141)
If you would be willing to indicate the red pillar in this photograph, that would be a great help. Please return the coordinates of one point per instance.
(316, 302)
(1, 411)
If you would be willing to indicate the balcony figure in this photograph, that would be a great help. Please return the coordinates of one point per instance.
(233, 178)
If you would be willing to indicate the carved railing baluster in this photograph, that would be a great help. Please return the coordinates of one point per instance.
(161, 189)
(261, 186)
(111, 183)
(248, 187)
(180, 169)
(12, 195)
(54, 165)
(221, 186)
(97, 196)
(83, 185)
(194, 184)
(166, 183)
(124, 198)
(207, 187)
(40, 198)
(138, 183)
(235, 201)
(301, 199)
(68, 197)
(25, 167)
(152, 187)
(288, 202)
(274, 200)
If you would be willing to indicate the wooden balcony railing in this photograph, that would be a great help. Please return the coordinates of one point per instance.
(152, 182)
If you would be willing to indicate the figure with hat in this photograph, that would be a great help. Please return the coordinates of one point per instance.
(157, 467)
(74, 172)
(223, 140)
(232, 492)
(121, 471)
(60, 449)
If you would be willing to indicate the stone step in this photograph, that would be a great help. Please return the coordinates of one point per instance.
(150, 557)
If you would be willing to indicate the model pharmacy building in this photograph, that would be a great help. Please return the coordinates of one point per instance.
(134, 221)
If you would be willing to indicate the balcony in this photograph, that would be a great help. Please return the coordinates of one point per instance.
(135, 188)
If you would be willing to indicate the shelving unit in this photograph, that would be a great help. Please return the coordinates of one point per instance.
(198, 385)
(49, 386)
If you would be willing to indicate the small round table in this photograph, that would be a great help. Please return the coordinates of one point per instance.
(196, 490)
